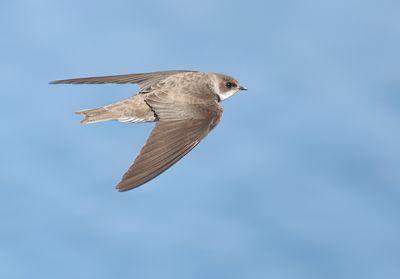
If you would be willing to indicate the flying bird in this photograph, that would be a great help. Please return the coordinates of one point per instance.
(184, 104)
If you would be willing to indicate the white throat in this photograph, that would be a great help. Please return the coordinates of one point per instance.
(226, 95)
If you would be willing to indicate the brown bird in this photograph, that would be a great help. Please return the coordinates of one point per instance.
(184, 105)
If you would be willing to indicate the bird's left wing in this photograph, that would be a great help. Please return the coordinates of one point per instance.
(144, 80)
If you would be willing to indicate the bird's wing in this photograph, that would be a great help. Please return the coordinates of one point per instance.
(180, 128)
(144, 80)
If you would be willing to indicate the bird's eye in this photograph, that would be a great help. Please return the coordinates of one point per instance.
(229, 84)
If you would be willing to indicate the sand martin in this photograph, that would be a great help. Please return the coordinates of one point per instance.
(184, 105)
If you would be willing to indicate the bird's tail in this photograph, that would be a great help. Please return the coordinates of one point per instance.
(97, 115)
(134, 109)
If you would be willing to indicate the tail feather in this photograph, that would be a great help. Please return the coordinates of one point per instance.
(96, 115)
(134, 109)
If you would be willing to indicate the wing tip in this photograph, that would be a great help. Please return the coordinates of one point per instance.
(67, 81)
(123, 186)
(62, 81)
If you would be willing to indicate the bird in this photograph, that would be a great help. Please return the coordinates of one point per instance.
(184, 104)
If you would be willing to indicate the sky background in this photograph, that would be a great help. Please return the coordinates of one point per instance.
(300, 179)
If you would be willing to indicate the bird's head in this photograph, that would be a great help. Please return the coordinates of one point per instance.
(225, 86)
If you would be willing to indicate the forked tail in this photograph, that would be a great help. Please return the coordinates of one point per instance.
(134, 109)
(97, 115)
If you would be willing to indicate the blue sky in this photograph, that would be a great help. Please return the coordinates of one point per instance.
(299, 180)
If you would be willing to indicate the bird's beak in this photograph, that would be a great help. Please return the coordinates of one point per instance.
(242, 88)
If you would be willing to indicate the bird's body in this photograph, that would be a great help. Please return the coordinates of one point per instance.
(185, 105)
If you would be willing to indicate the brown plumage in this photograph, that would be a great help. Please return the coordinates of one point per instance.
(185, 105)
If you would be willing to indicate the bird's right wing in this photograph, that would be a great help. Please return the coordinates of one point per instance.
(168, 142)
(180, 128)
(144, 80)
